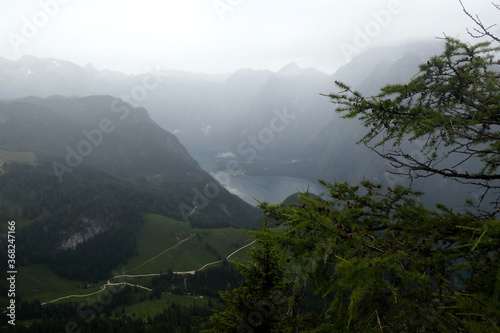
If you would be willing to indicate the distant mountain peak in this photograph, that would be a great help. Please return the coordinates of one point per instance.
(291, 69)
(28, 57)
(91, 68)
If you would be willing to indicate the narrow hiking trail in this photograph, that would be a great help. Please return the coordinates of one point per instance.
(161, 253)
(133, 276)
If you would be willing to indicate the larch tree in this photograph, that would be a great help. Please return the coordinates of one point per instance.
(380, 260)
(387, 263)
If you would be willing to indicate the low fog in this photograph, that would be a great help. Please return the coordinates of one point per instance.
(222, 36)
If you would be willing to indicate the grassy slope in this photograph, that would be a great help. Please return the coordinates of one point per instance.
(156, 306)
(28, 158)
(159, 233)
(39, 282)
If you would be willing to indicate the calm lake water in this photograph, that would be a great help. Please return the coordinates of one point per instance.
(272, 189)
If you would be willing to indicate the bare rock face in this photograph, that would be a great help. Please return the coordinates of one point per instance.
(90, 229)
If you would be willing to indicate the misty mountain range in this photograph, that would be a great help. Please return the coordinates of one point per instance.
(255, 123)
(213, 114)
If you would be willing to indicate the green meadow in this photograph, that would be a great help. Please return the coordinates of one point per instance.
(39, 282)
(156, 306)
(160, 238)
(160, 233)
(27, 158)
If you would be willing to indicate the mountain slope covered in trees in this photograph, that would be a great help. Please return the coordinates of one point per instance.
(99, 166)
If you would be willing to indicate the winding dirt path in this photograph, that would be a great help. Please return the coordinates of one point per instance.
(241, 248)
(132, 276)
(163, 252)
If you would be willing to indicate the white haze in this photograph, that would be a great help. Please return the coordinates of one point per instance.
(191, 35)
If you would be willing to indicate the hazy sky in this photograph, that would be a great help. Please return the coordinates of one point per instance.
(220, 36)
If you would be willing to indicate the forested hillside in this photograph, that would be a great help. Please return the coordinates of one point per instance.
(80, 198)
